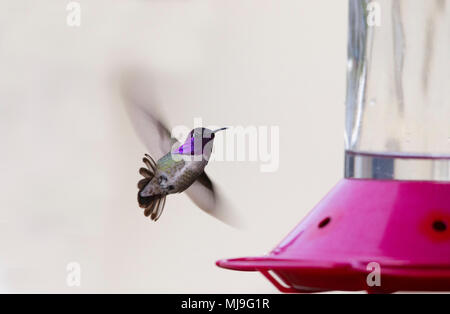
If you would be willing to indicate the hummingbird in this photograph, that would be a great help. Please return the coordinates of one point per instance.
(180, 167)
(176, 171)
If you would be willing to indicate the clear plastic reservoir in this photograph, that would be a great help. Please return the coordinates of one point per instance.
(398, 90)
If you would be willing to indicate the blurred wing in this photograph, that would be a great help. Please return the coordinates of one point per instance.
(203, 194)
(143, 114)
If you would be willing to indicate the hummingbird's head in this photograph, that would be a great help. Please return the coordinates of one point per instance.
(198, 142)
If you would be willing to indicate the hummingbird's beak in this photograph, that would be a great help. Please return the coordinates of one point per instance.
(221, 129)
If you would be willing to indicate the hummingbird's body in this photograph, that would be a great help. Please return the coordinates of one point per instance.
(180, 174)
(175, 172)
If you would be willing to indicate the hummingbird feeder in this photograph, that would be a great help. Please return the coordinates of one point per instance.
(391, 212)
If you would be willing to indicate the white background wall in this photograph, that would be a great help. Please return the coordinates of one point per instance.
(69, 154)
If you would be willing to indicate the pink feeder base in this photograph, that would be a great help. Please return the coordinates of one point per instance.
(402, 226)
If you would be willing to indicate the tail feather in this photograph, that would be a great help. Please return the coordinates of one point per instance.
(159, 208)
(154, 210)
(149, 162)
(145, 201)
(146, 173)
(153, 204)
(150, 209)
(142, 183)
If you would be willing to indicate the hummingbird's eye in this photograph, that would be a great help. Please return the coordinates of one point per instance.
(171, 187)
